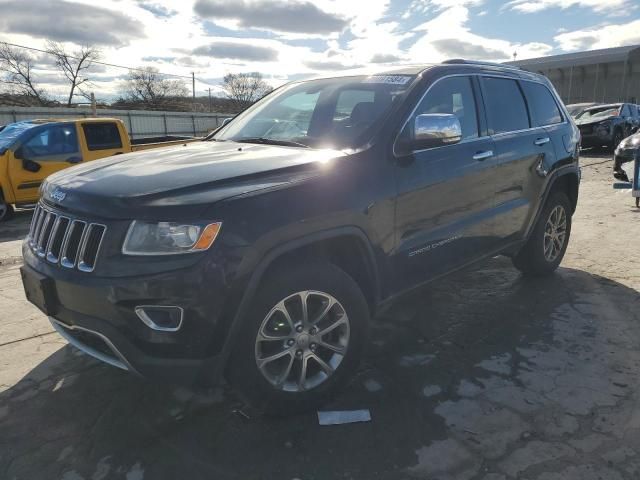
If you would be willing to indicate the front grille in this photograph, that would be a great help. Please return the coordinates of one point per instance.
(64, 240)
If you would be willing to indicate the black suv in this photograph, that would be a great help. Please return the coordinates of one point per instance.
(262, 253)
(607, 125)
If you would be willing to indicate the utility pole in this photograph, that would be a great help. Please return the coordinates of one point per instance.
(193, 86)
(209, 99)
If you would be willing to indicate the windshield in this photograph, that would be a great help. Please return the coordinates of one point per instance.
(600, 112)
(11, 132)
(330, 113)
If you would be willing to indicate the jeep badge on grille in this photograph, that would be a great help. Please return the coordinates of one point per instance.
(58, 195)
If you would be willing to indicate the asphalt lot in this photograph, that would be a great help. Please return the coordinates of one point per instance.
(483, 376)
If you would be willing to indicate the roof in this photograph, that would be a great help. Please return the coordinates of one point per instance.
(576, 59)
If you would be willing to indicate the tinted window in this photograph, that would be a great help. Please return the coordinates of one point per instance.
(506, 110)
(51, 141)
(451, 95)
(544, 110)
(102, 136)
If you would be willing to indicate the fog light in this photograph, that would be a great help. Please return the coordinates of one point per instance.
(160, 317)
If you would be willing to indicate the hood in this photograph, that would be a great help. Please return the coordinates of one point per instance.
(593, 121)
(187, 176)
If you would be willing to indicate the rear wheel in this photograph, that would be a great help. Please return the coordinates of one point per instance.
(6, 211)
(548, 242)
(302, 341)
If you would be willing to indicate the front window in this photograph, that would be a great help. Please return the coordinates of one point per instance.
(330, 113)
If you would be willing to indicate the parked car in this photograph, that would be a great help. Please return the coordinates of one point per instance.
(607, 125)
(576, 109)
(626, 162)
(32, 150)
(262, 253)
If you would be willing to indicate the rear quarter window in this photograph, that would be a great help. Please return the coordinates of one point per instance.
(544, 109)
(506, 110)
(102, 136)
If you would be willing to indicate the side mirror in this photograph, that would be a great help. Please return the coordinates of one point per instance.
(435, 130)
(19, 154)
(31, 166)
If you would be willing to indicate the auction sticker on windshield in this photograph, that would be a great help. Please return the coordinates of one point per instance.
(389, 79)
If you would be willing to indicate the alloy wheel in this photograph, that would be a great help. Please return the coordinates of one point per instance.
(555, 233)
(302, 341)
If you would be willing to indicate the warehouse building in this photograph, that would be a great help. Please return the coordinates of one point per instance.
(607, 75)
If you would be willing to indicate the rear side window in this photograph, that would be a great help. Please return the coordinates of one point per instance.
(102, 136)
(506, 110)
(544, 109)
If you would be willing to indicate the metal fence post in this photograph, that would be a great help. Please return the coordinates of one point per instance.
(193, 119)
(164, 118)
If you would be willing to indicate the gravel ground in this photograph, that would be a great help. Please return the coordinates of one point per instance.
(483, 376)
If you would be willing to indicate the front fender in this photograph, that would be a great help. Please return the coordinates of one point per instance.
(247, 283)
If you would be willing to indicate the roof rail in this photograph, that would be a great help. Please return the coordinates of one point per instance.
(462, 61)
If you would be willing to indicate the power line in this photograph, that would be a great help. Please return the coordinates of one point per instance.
(190, 77)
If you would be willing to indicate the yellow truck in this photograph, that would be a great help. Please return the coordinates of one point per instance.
(32, 150)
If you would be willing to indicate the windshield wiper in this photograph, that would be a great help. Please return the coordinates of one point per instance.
(271, 141)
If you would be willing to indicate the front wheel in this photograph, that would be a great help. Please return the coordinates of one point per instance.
(6, 211)
(302, 340)
(548, 242)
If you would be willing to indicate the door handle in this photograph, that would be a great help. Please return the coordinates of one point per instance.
(480, 156)
(542, 141)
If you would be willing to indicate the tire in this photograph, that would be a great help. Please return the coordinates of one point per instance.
(268, 389)
(541, 255)
(6, 211)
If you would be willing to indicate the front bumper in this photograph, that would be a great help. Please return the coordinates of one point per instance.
(97, 315)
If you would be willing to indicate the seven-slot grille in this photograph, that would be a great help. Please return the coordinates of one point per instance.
(64, 240)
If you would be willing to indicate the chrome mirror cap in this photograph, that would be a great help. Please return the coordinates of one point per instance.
(436, 129)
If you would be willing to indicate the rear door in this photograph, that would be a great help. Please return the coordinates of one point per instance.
(48, 149)
(522, 150)
(101, 139)
(445, 194)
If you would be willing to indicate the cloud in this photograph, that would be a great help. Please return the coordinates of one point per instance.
(452, 47)
(68, 22)
(328, 65)
(239, 51)
(603, 36)
(448, 35)
(528, 6)
(295, 17)
(157, 9)
(385, 58)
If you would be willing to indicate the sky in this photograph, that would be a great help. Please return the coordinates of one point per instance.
(290, 40)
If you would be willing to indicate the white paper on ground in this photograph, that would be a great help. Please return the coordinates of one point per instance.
(344, 416)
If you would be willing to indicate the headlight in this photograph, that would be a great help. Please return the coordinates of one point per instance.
(168, 238)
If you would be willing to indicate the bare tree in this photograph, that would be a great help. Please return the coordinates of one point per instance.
(150, 88)
(74, 66)
(17, 67)
(245, 88)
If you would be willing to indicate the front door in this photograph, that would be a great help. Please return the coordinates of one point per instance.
(445, 194)
(48, 149)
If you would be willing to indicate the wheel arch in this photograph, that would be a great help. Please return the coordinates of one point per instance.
(334, 245)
